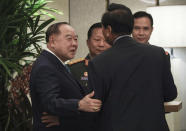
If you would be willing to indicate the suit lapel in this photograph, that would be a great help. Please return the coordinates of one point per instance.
(71, 78)
(62, 69)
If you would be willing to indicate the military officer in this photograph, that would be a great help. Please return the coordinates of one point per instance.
(96, 45)
(78, 68)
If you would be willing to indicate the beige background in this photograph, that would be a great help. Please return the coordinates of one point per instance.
(63, 6)
(83, 13)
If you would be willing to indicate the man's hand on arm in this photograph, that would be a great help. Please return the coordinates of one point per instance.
(88, 104)
(50, 120)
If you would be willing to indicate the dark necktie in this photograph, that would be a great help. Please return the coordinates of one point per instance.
(68, 69)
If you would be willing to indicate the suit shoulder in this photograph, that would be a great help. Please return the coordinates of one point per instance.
(76, 61)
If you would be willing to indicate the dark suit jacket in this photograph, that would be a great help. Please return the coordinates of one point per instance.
(53, 90)
(133, 81)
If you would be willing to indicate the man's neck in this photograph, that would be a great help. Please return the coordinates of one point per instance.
(146, 43)
(119, 37)
(52, 52)
(91, 56)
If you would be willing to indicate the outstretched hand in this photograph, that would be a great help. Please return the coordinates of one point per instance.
(88, 104)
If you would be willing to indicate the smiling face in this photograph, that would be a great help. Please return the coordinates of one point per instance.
(64, 44)
(96, 43)
(142, 30)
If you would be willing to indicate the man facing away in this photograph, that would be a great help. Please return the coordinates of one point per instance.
(131, 79)
(53, 89)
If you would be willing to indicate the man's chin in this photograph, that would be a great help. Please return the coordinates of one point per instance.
(142, 42)
(72, 56)
(97, 53)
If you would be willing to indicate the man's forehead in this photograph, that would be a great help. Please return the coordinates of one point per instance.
(66, 28)
(142, 20)
(143, 17)
(97, 30)
(67, 31)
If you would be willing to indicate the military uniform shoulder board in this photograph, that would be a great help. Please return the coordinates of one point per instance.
(76, 61)
(166, 53)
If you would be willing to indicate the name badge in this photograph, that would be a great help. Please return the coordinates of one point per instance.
(84, 78)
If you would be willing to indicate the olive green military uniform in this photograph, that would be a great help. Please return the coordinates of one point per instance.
(79, 69)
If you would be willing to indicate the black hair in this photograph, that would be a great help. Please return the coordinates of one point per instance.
(114, 6)
(140, 14)
(54, 29)
(120, 18)
(96, 25)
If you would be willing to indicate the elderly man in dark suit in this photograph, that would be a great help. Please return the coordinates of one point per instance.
(132, 80)
(54, 90)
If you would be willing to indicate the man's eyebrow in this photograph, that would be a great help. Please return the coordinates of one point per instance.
(68, 35)
(97, 37)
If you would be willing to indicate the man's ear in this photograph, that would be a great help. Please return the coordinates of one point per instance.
(88, 43)
(51, 41)
(108, 30)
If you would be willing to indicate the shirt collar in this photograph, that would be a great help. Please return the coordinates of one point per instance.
(119, 37)
(55, 55)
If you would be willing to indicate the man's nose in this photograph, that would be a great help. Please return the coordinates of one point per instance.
(74, 43)
(141, 32)
(102, 43)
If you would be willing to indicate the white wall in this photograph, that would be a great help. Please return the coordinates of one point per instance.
(62, 6)
(179, 73)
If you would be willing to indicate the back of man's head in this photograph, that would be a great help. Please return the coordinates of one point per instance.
(120, 18)
(115, 6)
(141, 14)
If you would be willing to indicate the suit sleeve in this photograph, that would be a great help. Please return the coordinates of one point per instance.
(48, 93)
(95, 82)
(170, 90)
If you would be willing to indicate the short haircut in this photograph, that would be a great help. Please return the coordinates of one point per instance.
(120, 18)
(94, 26)
(114, 6)
(140, 14)
(54, 29)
